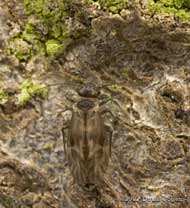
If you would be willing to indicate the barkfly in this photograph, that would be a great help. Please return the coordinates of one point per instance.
(88, 144)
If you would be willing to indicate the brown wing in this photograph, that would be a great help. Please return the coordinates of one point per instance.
(74, 146)
(98, 143)
(87, 147)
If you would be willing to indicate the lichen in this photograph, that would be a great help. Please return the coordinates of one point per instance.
(125, 73)
(20, 48)
(114, 6)
(116, 88)
(52, 46)
(3, 97)
(29, 33)
(48, 146)
(180, 8)
(31, 89)
(49, 25)
(36, 5)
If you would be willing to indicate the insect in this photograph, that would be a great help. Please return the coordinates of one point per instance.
(88, 146)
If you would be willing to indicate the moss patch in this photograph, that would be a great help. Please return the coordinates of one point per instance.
(125, 73)
(114, 6)
(52, 46)
(180, 8)
(46, 25)
(30, 89)
(20, 48)
(3, 97)
(116, 88)
(48, 29)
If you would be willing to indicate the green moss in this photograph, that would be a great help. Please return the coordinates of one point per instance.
(29, 33)
(20, 48)
(30, 89)
(187, 3)
(183, 14)
(33, 39)
(114, 6)
(178, 3)
(48, 11)
(52, 46)
(49, 146)
(125, 73)
(38, 47)
(116, 88)
(180, 8)
(48, 28)
(3, 96)
(56, 30)
(46, 31)
(59, 32)
(36, 5)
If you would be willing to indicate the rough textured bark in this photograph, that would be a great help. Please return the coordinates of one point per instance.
(141, 59)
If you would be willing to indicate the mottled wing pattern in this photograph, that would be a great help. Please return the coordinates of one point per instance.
(88, 148)
(98, 144)
(75, 146)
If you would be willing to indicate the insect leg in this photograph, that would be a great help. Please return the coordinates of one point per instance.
(105, 110)
(63, 136)
(110, 131)
(65, 127)
(108, 128)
